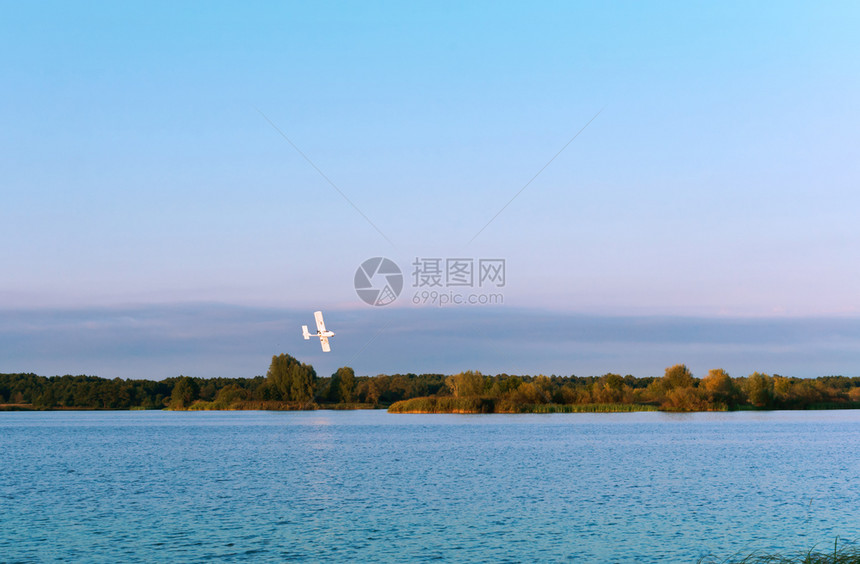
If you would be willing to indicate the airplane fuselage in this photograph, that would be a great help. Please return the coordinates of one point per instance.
(322, 332)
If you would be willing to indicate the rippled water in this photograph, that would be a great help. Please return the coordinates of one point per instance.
(367, 485)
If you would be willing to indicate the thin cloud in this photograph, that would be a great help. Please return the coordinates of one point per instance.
(211, 340)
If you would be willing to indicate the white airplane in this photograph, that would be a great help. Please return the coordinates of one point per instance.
(321, 332)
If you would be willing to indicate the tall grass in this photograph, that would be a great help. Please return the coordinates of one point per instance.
(258, 405)
(447, 404)
(846, 553)
(584, 408)
(348, 406)
(443, 405)
(834, 405)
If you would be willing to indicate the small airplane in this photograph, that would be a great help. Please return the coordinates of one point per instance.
(321, 332)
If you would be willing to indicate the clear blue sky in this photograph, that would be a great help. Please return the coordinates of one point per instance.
(720, 179)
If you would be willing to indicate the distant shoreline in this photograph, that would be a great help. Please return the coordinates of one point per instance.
(441, 405)
(408, 407)
(255, 406)
(292, 386)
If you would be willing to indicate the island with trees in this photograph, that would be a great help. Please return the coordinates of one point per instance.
(292, 385)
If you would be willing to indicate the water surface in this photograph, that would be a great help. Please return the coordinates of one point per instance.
(368, 485)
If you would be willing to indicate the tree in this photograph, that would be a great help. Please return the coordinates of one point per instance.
(504, 384)
(782, 390)
(229, 394)
(760, 389)
(292, 380)
(528, 394)
(685, 398)
(466, 384)
(612, 381)
(368, 391)
(185, 391)
(718, 387)
(46, 399)
(342, 385)
(609, 389)
(678, 376)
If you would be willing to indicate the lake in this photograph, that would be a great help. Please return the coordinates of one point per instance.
(368, 485)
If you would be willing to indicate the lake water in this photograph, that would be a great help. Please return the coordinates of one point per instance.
(367, 485)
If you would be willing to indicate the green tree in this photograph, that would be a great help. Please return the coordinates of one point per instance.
(369, 391)
(229, 394)
(342, 385)
(292, 380)
(612, 381)
(47, 398)
(504, 385)
(185, 391)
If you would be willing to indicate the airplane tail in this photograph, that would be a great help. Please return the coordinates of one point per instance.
(305, 333)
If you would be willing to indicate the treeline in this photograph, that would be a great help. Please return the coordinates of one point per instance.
(290, 384)
(676, 390)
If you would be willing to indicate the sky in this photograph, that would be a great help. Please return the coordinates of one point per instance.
(182, 185)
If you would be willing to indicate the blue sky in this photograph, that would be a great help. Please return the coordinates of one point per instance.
(141, 173)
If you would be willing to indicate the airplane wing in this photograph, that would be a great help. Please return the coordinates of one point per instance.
(325, 346)
(320, 323)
